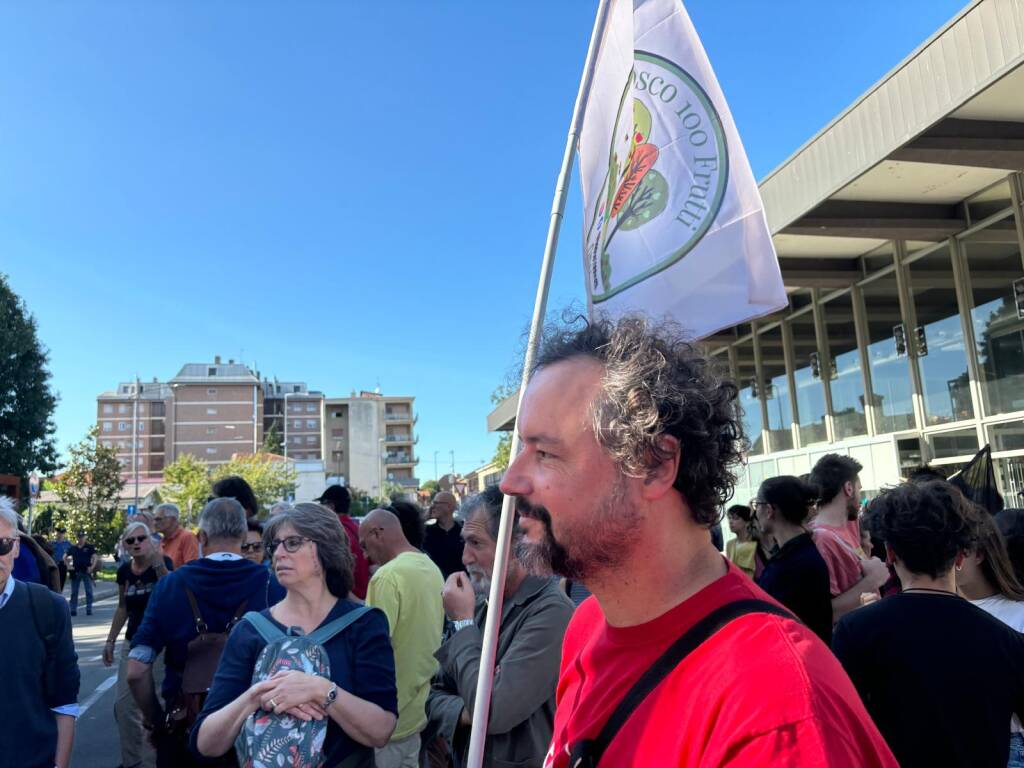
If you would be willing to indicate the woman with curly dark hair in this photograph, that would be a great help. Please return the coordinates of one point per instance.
(940, 676)
(630, 441)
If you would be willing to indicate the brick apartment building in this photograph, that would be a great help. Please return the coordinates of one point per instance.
(216, 410)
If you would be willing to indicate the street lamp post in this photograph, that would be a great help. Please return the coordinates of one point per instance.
(286, 396)
(380, 467)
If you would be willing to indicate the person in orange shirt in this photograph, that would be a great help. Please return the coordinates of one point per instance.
(179, 544)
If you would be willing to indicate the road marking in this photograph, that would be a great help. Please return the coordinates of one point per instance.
(102, 688)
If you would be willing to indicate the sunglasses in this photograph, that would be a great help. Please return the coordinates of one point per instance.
(256, 546)
(291, 544)
(6, 545)
(129, 540)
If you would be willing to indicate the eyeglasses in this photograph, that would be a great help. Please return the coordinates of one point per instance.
(6, 545)
(291, 543)
(129, 540)
(256, 546)
(159, 519)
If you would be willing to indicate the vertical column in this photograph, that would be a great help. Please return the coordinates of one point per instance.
(860, 326)
(909, 316)
(787, 353)
(824, 358)
(962, 286)
(759, 376)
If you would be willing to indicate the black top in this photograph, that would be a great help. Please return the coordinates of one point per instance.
(939, 676)
(137, 590)
(81, 557)
(797, 577)
(444, 547)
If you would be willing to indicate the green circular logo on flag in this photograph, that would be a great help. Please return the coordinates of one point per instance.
(668, 168)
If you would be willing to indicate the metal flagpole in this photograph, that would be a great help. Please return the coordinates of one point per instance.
(488, 653)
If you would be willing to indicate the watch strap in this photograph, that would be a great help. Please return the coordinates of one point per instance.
(462, 624)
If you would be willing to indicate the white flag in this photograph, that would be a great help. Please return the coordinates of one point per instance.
(673, 221)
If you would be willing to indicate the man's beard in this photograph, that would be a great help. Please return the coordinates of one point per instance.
(602, 542)
(480, 581)
(853, 509)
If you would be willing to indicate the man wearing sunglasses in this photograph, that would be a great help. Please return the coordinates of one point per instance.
(40, 680)
(224, 585)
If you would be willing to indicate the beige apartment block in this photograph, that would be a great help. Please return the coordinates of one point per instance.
(136, 426)
(369, 440)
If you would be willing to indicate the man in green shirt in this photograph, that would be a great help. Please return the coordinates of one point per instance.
(407, 587)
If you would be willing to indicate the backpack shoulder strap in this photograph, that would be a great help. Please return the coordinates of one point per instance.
(45, 618)
(201, 626)
(587, 754)
(326, 632)
(43, 614)
(268, 631)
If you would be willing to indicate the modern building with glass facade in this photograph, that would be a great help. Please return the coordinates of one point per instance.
(900, 232)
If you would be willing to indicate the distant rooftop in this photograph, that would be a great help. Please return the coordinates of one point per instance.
(204, 372)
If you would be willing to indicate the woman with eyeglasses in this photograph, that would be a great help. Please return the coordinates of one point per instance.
(796, 575)
(136, 580)
(313, 562)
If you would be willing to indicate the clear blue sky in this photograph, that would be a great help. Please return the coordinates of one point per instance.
(342, 193)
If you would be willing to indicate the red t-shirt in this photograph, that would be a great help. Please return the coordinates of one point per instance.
(762, 691)
(361, 567)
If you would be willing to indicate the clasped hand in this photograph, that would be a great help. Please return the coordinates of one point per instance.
(292, 693)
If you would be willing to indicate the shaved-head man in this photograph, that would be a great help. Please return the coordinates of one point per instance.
(406, 579)
(443, 539)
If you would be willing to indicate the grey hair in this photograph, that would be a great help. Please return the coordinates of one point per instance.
(333, 549)
(168, 508)
(7, 513)
(223, 518)
(657, 383)
(136, 524)
(487, 504)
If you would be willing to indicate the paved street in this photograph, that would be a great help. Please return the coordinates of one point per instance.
(96, 742)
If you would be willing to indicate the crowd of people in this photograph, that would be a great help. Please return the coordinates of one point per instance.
(830, 629)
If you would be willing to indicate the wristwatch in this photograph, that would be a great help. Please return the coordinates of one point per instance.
(462, 624)
(332, 694)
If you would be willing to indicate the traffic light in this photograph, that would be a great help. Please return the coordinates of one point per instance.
(815, 366)
(899, 335)
(921, 341)
(753, 389)
(1018, 296)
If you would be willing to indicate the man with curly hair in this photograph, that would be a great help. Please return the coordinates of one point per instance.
(630, 441)
(940, 677)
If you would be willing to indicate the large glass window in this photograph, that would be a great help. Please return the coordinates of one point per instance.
(890, 373)
(938, 341)
(810, 391)
(776, 390)
(847, 378)
(749, 396)
(993, 260)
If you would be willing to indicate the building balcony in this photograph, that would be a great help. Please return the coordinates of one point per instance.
(401, 460)
(407, 482)
(399, 416)
(402, 439)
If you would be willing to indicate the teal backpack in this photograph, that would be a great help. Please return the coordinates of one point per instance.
(269, 740)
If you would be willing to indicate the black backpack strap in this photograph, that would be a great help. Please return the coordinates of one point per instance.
(45, 619)
(588, 753)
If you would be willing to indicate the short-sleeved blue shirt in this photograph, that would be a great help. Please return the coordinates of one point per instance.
(362, 663)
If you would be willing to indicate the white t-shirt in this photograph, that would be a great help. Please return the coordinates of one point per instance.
(1011, 613)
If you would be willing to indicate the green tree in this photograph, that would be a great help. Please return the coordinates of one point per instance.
(26, 400)
(272, 441)
(503, 451)
(431, 487)
(271, 479)
(187, 484)
(89, 489)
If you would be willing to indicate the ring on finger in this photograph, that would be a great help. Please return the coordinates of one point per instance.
(273, 704)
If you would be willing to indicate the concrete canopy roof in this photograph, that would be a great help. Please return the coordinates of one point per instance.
(943, 125)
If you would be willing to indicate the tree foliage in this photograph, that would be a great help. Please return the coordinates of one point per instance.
(273, 442)
(187, 484)
(89, 490)
(503, 451)
(271, 479)
(26, 400)
(431, 487)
